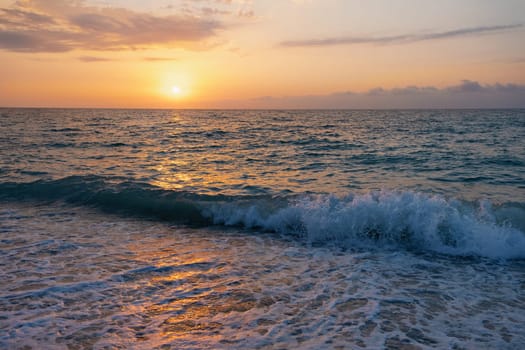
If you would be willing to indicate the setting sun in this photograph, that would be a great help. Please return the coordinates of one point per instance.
(176, 90)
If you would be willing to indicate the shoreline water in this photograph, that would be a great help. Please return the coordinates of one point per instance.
(85, 278)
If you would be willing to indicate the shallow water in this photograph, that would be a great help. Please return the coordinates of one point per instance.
(74, 278)
(262, 229)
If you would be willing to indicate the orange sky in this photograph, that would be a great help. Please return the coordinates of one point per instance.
(262, 54)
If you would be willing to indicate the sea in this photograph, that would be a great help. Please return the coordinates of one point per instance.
(262, 229)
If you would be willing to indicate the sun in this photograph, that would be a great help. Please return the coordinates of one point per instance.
(176, 90)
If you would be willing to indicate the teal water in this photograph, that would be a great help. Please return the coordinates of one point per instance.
(262, 229)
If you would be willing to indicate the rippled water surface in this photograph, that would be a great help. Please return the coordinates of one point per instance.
(262, 229)
(475, 153)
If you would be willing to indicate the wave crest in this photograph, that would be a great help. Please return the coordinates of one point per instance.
(391, 218)
(411, 220)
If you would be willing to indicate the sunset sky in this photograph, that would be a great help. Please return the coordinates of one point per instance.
(262, 53)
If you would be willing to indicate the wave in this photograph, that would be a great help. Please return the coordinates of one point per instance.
(411, 220)
(113, 195)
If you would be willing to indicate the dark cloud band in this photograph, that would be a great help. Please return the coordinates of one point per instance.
(467, 94)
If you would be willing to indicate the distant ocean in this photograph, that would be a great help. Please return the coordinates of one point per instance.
(191, 229)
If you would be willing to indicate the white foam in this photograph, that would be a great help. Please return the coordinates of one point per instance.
(409, 219)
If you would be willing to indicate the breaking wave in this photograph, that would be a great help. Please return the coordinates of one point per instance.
(411, 220)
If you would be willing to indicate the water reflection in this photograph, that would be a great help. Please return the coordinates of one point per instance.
(186, 290)
(83, 280)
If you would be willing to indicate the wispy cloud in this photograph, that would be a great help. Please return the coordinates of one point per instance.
(65, 25)
(467, 94)
(90, 59)
(401, 39)
(159, 59)
(93, 59)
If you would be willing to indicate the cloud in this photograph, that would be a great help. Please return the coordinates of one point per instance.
(470, 86)
(159, 59)
(14, 15)
(93, 59)
(466, 94)
(65, 25)
(89, 59)
(402, 39)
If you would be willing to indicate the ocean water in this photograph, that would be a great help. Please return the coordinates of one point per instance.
(158, 229)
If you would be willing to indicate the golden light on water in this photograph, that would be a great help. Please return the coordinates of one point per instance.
(201, 307)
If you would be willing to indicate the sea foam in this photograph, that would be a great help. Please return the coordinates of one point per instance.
(390, 218)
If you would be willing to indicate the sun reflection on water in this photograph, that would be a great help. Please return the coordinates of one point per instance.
(186, 293)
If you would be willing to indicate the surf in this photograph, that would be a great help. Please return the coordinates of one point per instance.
(387, 218)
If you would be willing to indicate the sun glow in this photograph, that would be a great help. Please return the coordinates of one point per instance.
(176, 90)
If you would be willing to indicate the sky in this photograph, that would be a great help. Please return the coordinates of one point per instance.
(262, 53)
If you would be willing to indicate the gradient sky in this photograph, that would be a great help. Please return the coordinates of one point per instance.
(262, 53)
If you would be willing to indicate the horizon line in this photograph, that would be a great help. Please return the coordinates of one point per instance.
(271, 109)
